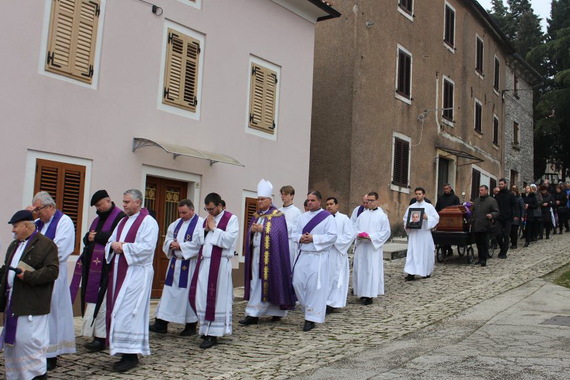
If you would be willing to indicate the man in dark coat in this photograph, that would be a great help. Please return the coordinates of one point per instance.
(448, 198)
(485, 209)
(507, 203)
(30, 268)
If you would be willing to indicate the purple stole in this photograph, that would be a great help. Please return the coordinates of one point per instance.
(215, 261)
(360, 210)
(315, 221)
(97, 259)
(185, 266)
(122, 267)
(10, 320)
(50, 232)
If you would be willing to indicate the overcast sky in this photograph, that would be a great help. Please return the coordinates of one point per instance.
(541, 8)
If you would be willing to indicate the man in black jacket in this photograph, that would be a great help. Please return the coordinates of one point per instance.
(448, 198)
(507, 203)
(485, 209)
(30, 268)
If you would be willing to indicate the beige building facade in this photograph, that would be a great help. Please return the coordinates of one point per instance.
(406, 94)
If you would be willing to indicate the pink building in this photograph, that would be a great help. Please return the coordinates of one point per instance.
(178, 99)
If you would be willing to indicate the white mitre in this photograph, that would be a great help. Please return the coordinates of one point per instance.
(264, 189)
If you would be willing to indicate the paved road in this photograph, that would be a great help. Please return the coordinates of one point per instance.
(283, 350)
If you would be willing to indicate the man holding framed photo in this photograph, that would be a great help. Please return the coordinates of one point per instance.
(419, 219)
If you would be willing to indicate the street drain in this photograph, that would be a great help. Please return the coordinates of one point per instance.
(559, 320)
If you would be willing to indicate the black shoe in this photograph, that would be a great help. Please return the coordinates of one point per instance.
(539, 238)
(41, 377)
(514, 246)
(128, 361)
(367, 301)
(189, 329)
(547, 237)
(159, 326)
(482, 263)
(526, 245)
(308, 326)
(275, 318)
(208, 342)
(329, 309)
(428, 276)
(410, 277)
(502, 256)
(98, 344)
(249, 321)
(553, 233)
(51, 363)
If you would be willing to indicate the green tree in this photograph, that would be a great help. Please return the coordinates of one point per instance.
(552, 113)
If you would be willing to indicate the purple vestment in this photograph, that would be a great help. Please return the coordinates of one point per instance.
(274, 262)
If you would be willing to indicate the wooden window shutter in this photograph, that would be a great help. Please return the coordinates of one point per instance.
(181, 74)
(72, 38)
(263, 96)
(65, 183)
(401, 162)
(404, 74)
(250, 209)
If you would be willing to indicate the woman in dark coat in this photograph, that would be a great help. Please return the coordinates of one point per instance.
(560, 205)
(530, 205)
(546, 207)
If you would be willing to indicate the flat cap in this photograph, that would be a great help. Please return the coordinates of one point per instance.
(21, 215)
(99, 194)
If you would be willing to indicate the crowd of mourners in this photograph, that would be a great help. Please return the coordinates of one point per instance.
(293, 259)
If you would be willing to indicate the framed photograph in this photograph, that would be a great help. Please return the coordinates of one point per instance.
(415, 218)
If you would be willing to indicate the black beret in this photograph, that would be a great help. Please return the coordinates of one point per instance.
(99, 194)
(21, 215)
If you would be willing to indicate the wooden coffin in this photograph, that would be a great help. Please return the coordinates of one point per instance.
(453, 218)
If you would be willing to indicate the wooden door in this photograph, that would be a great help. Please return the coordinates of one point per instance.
(161, 198)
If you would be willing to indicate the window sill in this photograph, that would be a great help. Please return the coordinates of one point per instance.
(403, 98)
(516, 146)
(400, 189)
(410, 16)
(478, 134)
(480, 74)
(449, 47)
(448, 122)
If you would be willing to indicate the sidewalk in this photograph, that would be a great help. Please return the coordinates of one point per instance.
(521, 334)
(447, 321)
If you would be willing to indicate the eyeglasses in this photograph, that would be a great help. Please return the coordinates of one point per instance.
(209, 209)
(38, 209)
(371, 200)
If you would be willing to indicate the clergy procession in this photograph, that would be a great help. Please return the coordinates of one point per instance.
(293, 260)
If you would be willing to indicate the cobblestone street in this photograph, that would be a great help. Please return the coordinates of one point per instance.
(282, 350)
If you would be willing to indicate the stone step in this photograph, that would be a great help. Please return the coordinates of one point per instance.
(395, 250)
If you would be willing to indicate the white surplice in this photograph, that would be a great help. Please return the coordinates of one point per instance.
(128, 333)
(368, 267)
(338, 261)
(311, 271)
(292, 214)
(222, 323)
(60, 318)
(420, 259)
(174, 305)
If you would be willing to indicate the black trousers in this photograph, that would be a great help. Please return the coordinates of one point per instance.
(514, 234)
(503, 235)
(482, 242)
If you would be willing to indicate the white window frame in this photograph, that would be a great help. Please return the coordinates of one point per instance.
(262, 62)
(44, 47)
(169, 108)
(194, 4)
(396, 94)
(445, 44)
(393, 187)
(406, 14)
(443, 119)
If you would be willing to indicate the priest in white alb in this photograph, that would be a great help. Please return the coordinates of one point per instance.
(211, 289)
(372, 231)
(130, 252)
(338, 257)
(184, 238)
(420, 259)
(316, 233)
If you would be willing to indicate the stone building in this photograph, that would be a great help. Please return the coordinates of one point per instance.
(519, 126)
(406, 94)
